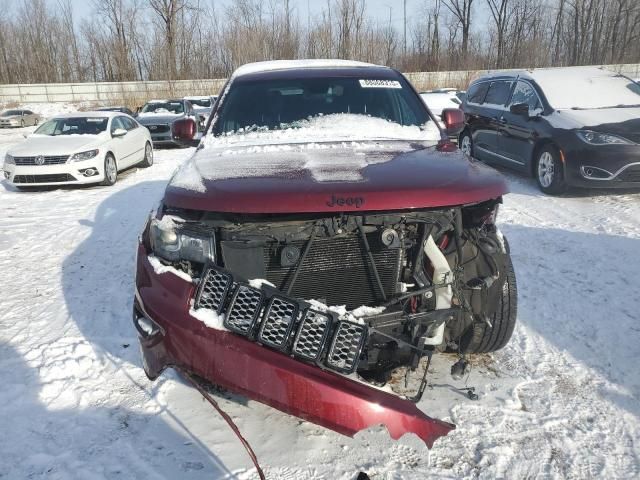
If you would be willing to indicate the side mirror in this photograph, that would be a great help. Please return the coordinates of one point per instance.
(520, 109)
(118, 132)
(185, 130)
(453, 119)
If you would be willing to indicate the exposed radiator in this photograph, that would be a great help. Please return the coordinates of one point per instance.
(337, 270)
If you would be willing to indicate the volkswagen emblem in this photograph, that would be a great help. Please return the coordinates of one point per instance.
(39, 160)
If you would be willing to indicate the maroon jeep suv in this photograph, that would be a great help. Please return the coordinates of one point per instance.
(325, 236)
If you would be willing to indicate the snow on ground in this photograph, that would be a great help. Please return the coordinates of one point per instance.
(562, 400)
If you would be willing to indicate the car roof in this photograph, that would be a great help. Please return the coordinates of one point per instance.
(561, 74)
(261, 67)
(287, 69)
(94, 113)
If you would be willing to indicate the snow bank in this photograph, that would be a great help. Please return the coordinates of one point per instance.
(159, 268)
(188, 177)
(259, 282)
(210, 318)
(335, 127)
(356, 315)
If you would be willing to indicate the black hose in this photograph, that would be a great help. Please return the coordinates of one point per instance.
(227, 419)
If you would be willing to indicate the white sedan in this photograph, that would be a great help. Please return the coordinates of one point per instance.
(79, 148)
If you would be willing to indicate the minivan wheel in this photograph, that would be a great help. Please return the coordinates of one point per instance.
(110, 171)
(548, 171)
(466, 144)
(147, 161)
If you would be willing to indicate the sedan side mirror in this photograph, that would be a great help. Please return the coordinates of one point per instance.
(520, 109)
(453, 119)
(118, 132)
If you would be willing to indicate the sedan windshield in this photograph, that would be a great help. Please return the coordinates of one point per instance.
(11, 113)
(163, 107)
(73, 126)
(281, 104)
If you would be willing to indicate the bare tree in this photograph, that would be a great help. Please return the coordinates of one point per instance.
(461, 10)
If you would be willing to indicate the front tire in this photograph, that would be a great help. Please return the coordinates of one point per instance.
(466, 143)
(110, 171)
(147, 161)
(549, 172)
(482, 338)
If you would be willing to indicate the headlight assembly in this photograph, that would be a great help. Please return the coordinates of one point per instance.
(597, 138)
(8, 159)
(168, 241)
(88, 155)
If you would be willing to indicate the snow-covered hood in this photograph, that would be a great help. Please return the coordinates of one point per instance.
(57, 145)
(158, 118)
(330, 176)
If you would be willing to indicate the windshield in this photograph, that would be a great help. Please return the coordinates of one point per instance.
(283, 104)
(163, 107)
(588, 89)
(200, 102)
(11, 113)
(73, 126)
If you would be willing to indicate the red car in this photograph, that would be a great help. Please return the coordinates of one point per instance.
(325, 236)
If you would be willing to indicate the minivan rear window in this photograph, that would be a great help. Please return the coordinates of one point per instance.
(498, 93)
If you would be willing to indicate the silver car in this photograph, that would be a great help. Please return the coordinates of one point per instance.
(169, 122)
(18, 118)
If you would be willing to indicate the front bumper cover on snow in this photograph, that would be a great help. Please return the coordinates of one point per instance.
(177, 339)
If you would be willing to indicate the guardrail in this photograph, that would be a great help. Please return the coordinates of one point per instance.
(136, 93)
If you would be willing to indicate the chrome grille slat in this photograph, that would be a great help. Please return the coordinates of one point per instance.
(213, 290)
(278, 322)
(346, 347)
(244, 309)
(312, 335)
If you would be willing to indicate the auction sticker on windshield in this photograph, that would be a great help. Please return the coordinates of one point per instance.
(380, 84)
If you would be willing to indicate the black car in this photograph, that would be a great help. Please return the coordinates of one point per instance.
(575, 126)
(116, 109)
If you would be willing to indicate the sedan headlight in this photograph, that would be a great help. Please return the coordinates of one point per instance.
(168, 241)
(88, 155)
(597, 138)
(8, 159)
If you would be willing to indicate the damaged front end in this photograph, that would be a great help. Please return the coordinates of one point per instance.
(313, 314)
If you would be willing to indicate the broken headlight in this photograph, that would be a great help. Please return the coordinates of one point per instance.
(169, 241)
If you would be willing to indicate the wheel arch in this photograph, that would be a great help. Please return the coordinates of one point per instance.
(540, 144)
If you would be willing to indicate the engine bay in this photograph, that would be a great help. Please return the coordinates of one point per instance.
(367, 293)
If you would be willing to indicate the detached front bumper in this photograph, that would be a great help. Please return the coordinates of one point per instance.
(228, 360)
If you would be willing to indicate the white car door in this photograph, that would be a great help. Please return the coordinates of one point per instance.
(123, 145)
(138, 138)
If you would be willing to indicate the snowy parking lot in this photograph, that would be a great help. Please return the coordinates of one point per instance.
(562, 400)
